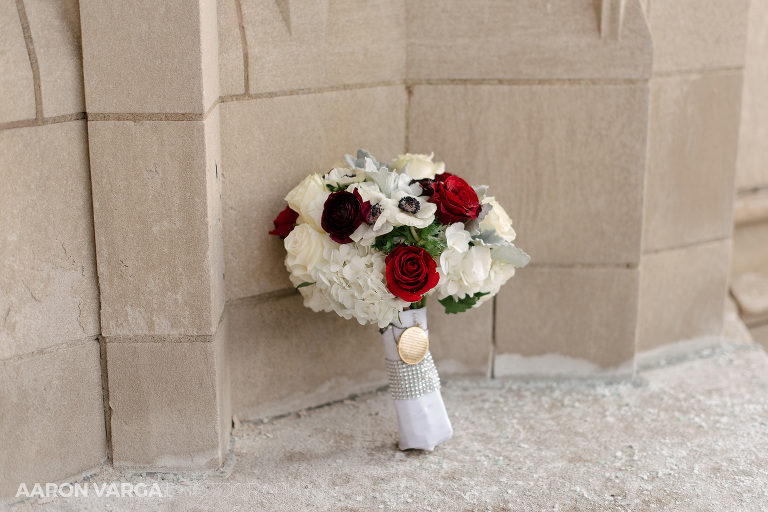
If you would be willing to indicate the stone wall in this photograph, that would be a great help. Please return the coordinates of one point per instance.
(306, 82)
(749, 268)
(151, 144)
(51, 403)
(692, 141)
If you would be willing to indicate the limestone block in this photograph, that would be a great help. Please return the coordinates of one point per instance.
(698, 34)
(693, 134)
(223, 383)
(51, 417)
(215, 213)
(529, 39)
(209, 53)
(461, 344)
(168, 404)
(149, 56)
(159, 262)
(760, 335)
(735, 332)
(751, 292)
(564, 165)
(285, 357)
(316, 43)
(750, 249)
(270, 145)
(682, 293)
(17, 87)
(55, 28)
(577, 321)
(231, 67)
(752, 163)
(48, 284)
(749, 272)
(751, 208)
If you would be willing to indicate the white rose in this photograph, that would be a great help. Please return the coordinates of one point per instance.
(305, 199)
(419, 166)
(304, 247)
(498, 219)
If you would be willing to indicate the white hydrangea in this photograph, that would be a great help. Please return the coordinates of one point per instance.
(463, 268)
(353, 279)
(500, 273)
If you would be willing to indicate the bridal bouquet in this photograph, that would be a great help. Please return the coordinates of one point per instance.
(370, 241)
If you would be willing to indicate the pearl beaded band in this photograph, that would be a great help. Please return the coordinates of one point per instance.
(412, 380)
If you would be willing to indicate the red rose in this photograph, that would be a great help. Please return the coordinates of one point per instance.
(343, 212)
(285, 222)
(456, 201)
(411, 272)
(428, 185)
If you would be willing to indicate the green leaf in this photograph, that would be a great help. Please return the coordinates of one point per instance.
(461, 305)
(336, 187)
(385, 243)
(399, 235)
(419, 303)
(429, 238)
(302, 285)
(433, 230)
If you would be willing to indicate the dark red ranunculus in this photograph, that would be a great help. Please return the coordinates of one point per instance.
(411, 272)
(343, 212)
(456, 201)
(285, 222)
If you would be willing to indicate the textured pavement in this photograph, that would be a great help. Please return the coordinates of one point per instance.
(688, 436)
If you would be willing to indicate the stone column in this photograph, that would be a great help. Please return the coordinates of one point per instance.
(698, 62)
(151, 86)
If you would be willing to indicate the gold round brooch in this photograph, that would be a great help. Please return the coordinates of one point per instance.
(413, 345)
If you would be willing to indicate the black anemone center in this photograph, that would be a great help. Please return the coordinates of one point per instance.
(374, 215)
(409, 204)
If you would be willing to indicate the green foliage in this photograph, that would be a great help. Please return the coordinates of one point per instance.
(399, 235)
(336, 187)
(302, 285)
(459, 306)
(419, 303)
(429, 238)
(432, 239)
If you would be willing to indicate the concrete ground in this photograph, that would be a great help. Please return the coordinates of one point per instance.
(688, 436)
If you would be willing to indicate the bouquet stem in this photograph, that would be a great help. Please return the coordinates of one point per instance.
(419, 304)
(422, 420)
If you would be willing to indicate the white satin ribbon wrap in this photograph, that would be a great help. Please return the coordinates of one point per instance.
(423, 421)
